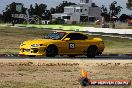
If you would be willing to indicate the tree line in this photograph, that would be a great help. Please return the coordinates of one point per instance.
(111, 13)
(46, 14)
(37, 9)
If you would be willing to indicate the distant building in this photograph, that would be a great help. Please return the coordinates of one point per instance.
(45, 21)
(86, 11)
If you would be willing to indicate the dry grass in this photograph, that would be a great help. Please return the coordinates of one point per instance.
(123, 26)
(11, 38)
(117, 45)
(60, 75)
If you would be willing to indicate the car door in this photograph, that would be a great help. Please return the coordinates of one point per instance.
(81, 43)
(68, 46)
(75, 45)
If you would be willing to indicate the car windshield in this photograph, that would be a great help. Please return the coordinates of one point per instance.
(55, 36)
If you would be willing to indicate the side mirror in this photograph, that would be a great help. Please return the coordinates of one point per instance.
(67, 39)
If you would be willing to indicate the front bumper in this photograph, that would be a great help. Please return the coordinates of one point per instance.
(37, 51)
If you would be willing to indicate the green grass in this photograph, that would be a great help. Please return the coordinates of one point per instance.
(64, 27)
(76, 26)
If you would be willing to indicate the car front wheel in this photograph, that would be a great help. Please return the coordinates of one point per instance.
(51, 51)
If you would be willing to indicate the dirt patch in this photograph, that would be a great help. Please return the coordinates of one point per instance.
(60, 73)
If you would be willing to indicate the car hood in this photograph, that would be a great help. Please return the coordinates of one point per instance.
(38, 41)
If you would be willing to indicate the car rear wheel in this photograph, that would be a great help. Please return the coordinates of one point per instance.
(92, 51)
(51, 51)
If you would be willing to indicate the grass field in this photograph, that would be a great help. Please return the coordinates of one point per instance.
(117, 45)
(11, 38)
(60, 73)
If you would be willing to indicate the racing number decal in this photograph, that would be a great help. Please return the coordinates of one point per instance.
(71, 46)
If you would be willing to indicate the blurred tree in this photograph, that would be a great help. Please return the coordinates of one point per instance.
(123, 18)
(53, 10)
(38, 10)
(129, 4)
(114, 10)
(11, 9)
(47, 15)
(60, 7)
(42, 8)
(105, 17)
(1, 18)
(31, 10)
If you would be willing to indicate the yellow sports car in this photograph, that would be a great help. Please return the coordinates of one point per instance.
(63, 43)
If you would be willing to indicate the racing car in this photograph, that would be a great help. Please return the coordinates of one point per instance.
(63, 43)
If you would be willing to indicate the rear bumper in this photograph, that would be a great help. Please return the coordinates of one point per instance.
(101, 50)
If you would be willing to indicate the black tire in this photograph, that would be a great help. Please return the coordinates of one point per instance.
(51, 51)
(71, 56)
(92, 52)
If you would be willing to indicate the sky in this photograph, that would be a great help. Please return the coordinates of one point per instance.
(53, 3)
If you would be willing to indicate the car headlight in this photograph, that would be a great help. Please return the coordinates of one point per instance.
(22, 44)
(36, 45)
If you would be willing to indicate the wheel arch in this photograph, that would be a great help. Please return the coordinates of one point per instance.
(92, 53)
(92, 46)
(52, 45)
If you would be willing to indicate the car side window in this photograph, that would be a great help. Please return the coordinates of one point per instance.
(76, 36)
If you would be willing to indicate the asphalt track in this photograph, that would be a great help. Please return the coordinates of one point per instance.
(82, 61)
(103, 57)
